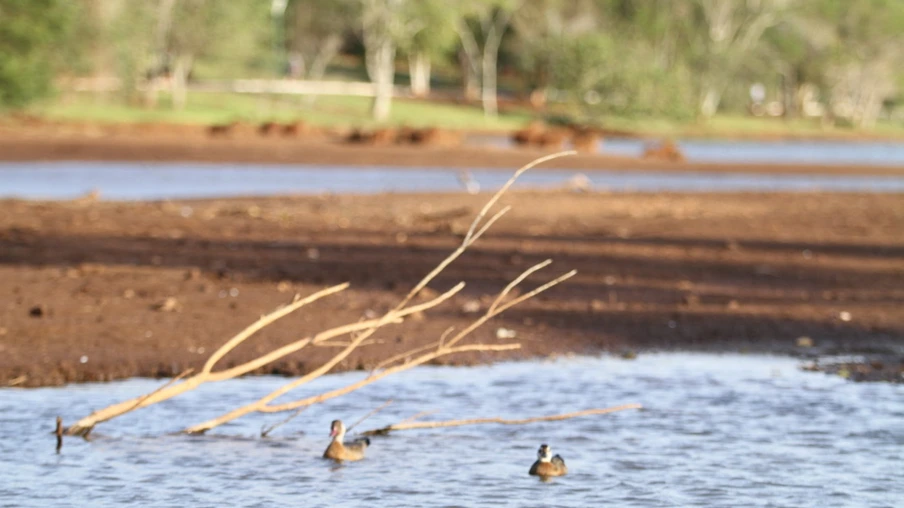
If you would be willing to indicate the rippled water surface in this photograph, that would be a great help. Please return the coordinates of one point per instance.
(726, 430)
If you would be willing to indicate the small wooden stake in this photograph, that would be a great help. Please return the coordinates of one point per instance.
(59, 434)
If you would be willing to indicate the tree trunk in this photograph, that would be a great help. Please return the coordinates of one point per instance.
(488, 88)
(470, 79)
(488, 84)
(419, 65)
(710, 102)
(867, 108)
(380, 61)
(791, 109)
(380, 25)
(491, 44)
(180, 81)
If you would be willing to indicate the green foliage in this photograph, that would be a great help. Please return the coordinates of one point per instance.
(31, 32)
(434, 29)
(130, 38)
(224, 37)
(631, 59)
(605, 78)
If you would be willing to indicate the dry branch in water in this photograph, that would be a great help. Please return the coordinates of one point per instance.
(368, 415)
(265, 430)
(409, 425)
(59, 433)
(170, 390)
(360, 331)
(443, 348)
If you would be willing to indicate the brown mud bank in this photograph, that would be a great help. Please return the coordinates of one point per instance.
(244, 144)
(94, 290)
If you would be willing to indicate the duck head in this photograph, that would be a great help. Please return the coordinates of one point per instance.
(544, 454)
(337, 430)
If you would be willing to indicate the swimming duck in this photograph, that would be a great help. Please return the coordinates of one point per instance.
(337, 450)
(547, 464)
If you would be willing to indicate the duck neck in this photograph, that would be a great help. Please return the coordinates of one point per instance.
(340, 435)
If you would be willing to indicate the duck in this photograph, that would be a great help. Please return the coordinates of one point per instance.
(339, 451)
(547, 464)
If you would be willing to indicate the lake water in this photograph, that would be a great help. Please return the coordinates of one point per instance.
(833, 152)
(775, 152)
(147, 181)
(717, 430)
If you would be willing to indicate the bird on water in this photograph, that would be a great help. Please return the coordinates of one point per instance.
(338, 450)
(548, 464)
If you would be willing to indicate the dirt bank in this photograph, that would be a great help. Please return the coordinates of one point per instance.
(84, 285)
(243, 144)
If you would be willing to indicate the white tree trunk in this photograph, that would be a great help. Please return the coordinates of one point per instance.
(419, 65)
(380, 26)
(380, 68)
(468, 59)
(488, 88)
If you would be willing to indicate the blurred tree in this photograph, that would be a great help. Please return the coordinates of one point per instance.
(605, 78)
(481, 27)
(796, 49)
(186, 31)
(867, 57)
(607, 56)
(432, 34)
(31, 35)
(192, 29)
(728, 33)
(384, 23)
(540, 27)
(379, 26)
(126, 42)
(315, 31)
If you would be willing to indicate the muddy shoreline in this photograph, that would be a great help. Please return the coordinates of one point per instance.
(96, 290)
(174, 143)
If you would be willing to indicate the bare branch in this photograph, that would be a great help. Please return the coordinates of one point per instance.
(162, 387)
(265, 321)
(368, 415)
(406, 354)
(418, 415)
(500, 308)
(59, 434)
(265, 431)
(169, 390)
(366, 329)
(517, 281)
(364, 382)
(502, 421)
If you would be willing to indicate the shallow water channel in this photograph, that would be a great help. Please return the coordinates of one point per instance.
(151, 181)
(717, 430)
(832, 152)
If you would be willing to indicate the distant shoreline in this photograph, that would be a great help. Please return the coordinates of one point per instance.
(193, 144)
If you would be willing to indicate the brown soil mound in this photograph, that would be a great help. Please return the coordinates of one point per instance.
(666, 150)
